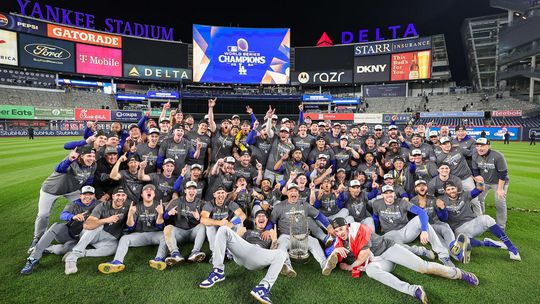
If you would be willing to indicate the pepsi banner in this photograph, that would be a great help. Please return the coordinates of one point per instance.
(162, 95)
(492, 132)
(119, 115)
(241, 55)
(451, 114)
(385, 90)
(47, 54)
(21, 24)
(335, 77)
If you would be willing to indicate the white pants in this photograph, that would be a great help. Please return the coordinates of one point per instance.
(500, 203)
(45, 206)
(469, 185)
(476, 226)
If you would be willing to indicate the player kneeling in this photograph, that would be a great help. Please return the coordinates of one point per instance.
(358, 249)
(251, 250)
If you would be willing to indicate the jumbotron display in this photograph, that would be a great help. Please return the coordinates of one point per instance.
(241, 55)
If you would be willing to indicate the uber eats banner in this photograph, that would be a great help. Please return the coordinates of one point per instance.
(16, 112)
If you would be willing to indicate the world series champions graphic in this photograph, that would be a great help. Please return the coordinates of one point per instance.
(241, 55)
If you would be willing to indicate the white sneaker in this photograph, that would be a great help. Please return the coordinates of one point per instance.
(514, 256)
(495, 244)
(288, 271)
(330, 264)
(71, 267)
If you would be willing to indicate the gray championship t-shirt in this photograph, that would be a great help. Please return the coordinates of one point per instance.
(105, 210)
(286, 215)
(63, 183)
(392, 217)
(459, 210)
(490, 165)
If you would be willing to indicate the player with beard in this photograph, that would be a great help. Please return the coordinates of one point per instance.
(222, 140)
(266, 197)
(200, 137)
(436, 184)
(102, 181)
(195, 175)
(429, 204)
(388, 179)
(422, 170)
(417, 142)
(241, 195)
(249, 249)
(325, 200)
(252, 174)
(321, 171)
(434, 141)
(144, 224)
(178, 148)
(303, 141)
(259, 141)
(185, 213)
(378, 135)
(356, 201)
(359, 249)
(102, 229)
(164, 181)
(467, 225)
(301, 181)
(403, 176)
(149, 151)
(135, 137)
(464, 141)
(345, 154)
(321, 148)
(220, 212)
(295, 164)
(75, 171)
(222, 175)
(394, 151)
(128, 179)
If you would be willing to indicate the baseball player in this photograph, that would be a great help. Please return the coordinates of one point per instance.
(164, 181)
(436, 184)
(220, 212)
(391, 214)
(66, 234)
(128, 179)
(428, 203)
(422, 170)
(467, 225)
(355, 200)
(491, 165)
(145, 224)
(282, 216)
(185, 213)
(102, 181)
(75, 171)
(249, 249)
(178, 148)
(221, 175)
(102, 230)
(359, 249)
(149, 150)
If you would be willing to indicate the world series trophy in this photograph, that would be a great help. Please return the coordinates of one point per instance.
(299, 232)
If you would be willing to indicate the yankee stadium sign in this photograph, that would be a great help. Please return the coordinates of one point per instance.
(74, 18)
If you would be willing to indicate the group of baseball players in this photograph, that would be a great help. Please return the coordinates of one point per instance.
(247, 187)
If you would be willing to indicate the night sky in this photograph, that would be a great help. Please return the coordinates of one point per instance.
(307, 19)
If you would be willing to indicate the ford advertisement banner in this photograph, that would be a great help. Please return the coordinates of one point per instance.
(119, 115)
(492, 132)
(241, 55)
(47, 54)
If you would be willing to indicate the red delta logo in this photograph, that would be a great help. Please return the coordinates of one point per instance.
(325, 40)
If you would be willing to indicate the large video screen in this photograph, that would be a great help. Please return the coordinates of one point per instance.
(99, 60)
(323, 58)
(411, 66)
(8, 48)
(155, 53)
(45, 53)
(241, 55)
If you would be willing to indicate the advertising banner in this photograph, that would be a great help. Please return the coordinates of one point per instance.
(16, 112)
(411, 66)
(309, 97)
(21, 24)
(98, 60)
(241, 55)
(162, 95)
(392, 46)
(527, 133)
(402, 118)
(54, 113)
(157, 113)
(8, 48)
(367, 118)
(492, 132)
(322, 77)
(372, 69)
(6, 133)
(507, 113)
(45, 53)
(330, 116)
(119, 115)
(130, 97)
(92, 114)
(83, 36)
(346, 101)
(451, 114)
(155, 53)
(385, 90)
(20, 77)
(156, 73)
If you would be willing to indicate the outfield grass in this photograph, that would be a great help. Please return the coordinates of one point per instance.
(25, 164)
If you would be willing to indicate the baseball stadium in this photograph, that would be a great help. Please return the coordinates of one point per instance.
(225, 156)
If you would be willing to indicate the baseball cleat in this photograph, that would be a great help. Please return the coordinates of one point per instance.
(514, 255)
(469, 277)
(217, 275)
(157, 263)
(421, 295)
(495, 244)
(112, 267)
(330, 264)
(427, 253)
(32, 246)
(328, 241)
(197, 256)
(260, 293)
(447, 262)
(31, 263)
(459, 244)
(288, 271)
(71, 268)
(174, 259)
(467, 253)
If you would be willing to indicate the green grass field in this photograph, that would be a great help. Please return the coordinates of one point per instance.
(25, 164)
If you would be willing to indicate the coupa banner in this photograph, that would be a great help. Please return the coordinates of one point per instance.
(492, 132)
(120, 115)
(241, 55)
